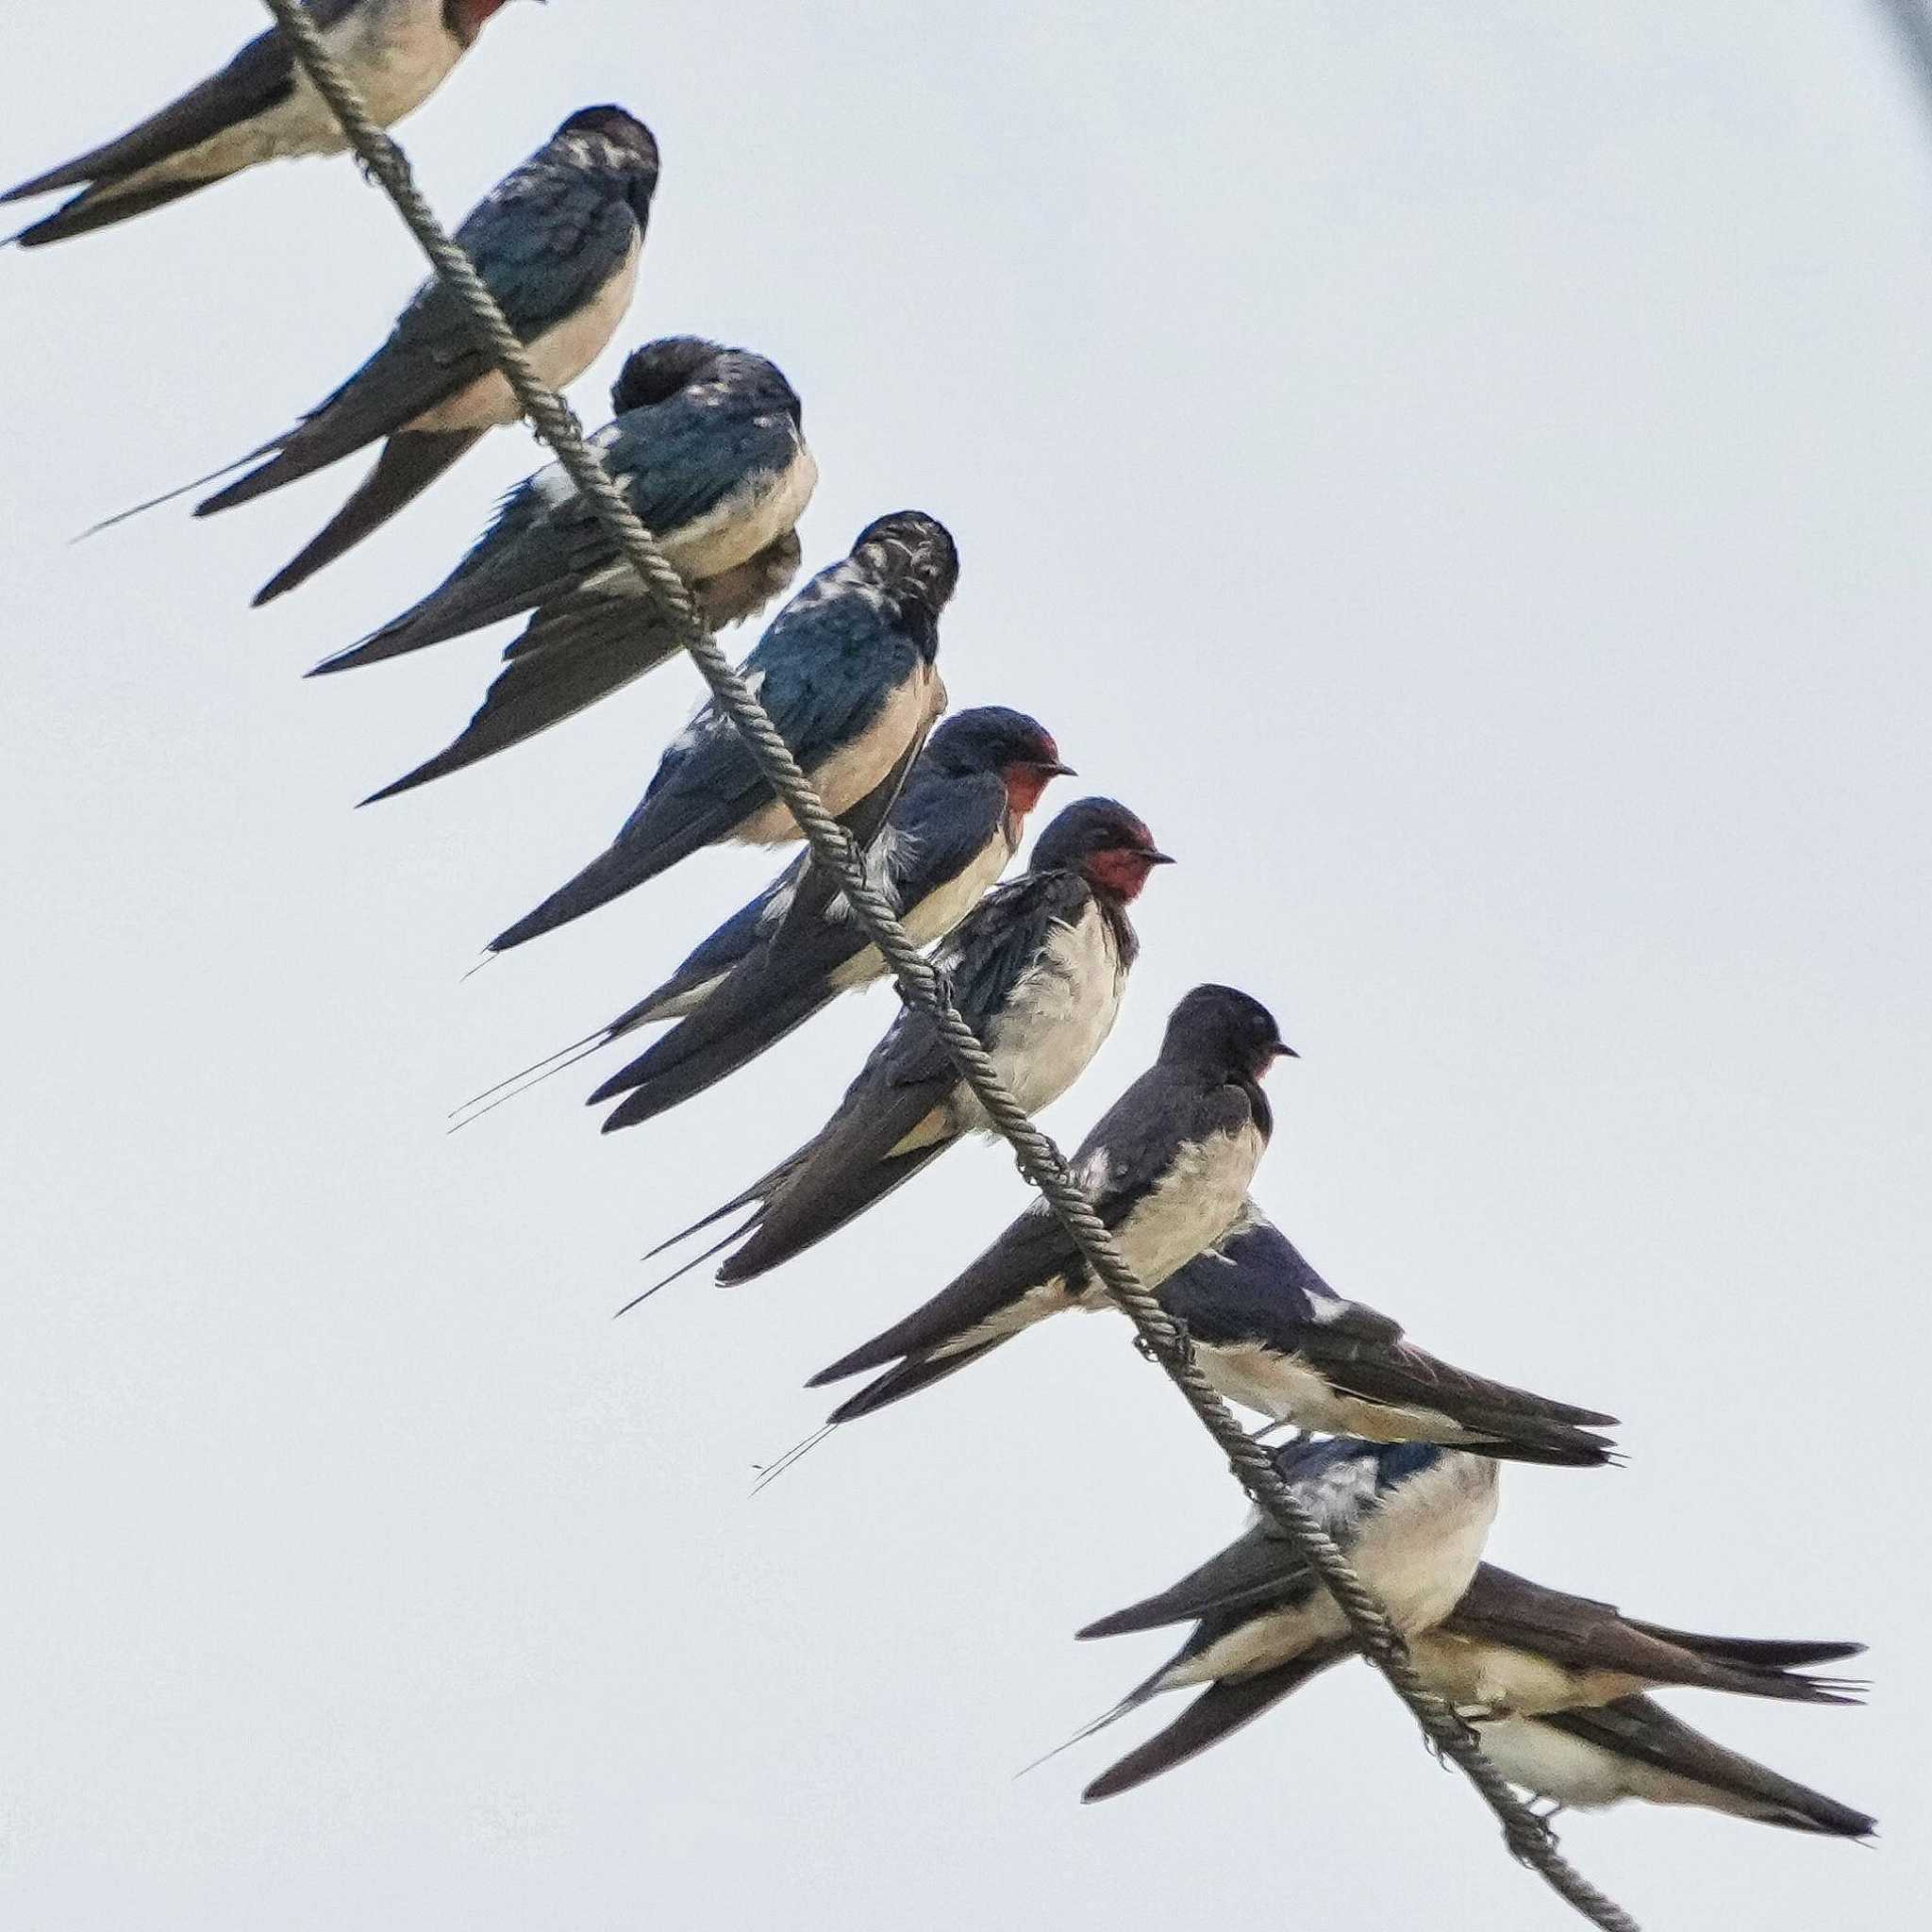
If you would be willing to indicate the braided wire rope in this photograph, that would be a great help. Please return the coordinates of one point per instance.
(1528, 1836)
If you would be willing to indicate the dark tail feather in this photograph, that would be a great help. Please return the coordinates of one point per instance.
(1220, 1710)
(663, 1075)
(86, 212)
(1753, 1653)
(678, 1274)
(492, 1098)
(608, 876)
(121, 516)
(560, 665)
(409, 463)
(781, 1237)
(1638, 1728)
(909, 1379)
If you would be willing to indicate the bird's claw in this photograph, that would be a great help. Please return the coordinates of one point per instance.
(1530, 1837)
(1182, 1349)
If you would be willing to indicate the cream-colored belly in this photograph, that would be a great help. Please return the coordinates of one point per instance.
(399, 56)
(861, 766)
(1287, 1390)
(1192, 1207)
(560, 355)
(1493, 1679)
(744, 524)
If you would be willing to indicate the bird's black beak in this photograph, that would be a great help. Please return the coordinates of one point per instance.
(1285, 1052)
(1052, 768)
(1154, 856)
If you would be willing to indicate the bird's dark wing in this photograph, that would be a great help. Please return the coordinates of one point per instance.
(1261, 1571)
(1640, 1730)
(783, 976)
(1220, 1710)
(673, 461)
(1120, 1162)
(545, 242)
(261, 76)
(1583, 1635)
(410, 461)
(572, 653)
(712, 958)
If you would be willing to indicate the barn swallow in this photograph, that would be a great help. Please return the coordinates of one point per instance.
(785, 954)
(1270, 1334)
(1037, 970)
(1634, 1748)
(557, 241)
(1167, 1166)
(1412, 1517)
(706, 448)
(262, 106)
(763, 973)
(1511, 1649)
(846, 673)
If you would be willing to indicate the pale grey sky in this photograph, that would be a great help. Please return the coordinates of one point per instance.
(1463, 476)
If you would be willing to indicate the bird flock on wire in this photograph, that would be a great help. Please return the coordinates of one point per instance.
(1396, 1452)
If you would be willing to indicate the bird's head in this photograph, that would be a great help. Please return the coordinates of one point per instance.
(656, 372)
(1018, 750)
(1102, 840)
(634, 143)
(1217, 1026)
(912, 556)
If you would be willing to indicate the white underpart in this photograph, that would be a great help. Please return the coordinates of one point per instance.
(1485, 1679)
(1185, 1211)
(860, 767)
(731, 532)
(560, 355)
(1057, 1018)
(1585, 1776)
(1284, 1389)
(1417, 1552)
(397, 51)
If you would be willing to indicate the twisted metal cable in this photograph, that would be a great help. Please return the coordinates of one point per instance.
(1528, 1838)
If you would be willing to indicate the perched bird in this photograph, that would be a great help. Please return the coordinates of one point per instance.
(1412, 1517)
(1167, 1165)
(846, 673)
(1635, 1748)
(262, 106)
(556, 243)
(1511, 1649)
(1270, 1334)
(708, 449)
(765, 972)
(1037, 968)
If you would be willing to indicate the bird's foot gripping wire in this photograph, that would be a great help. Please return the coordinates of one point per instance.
(1182, 1350)
(1529, 1836)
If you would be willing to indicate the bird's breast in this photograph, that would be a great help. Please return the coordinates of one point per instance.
(751, 517)
(1059, 1014)
(1554, 1765)
(1419, 1547)
(1193, 1204)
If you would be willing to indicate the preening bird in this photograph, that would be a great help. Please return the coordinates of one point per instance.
(707, 447)
(781, 958)
(260, 107)
(1634, 1748)
(557, 241)
(847, 674)
(1270, 1334)
(1512, 1649)
(1167, 1166)
(1412, 1517)
(1037, 970)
